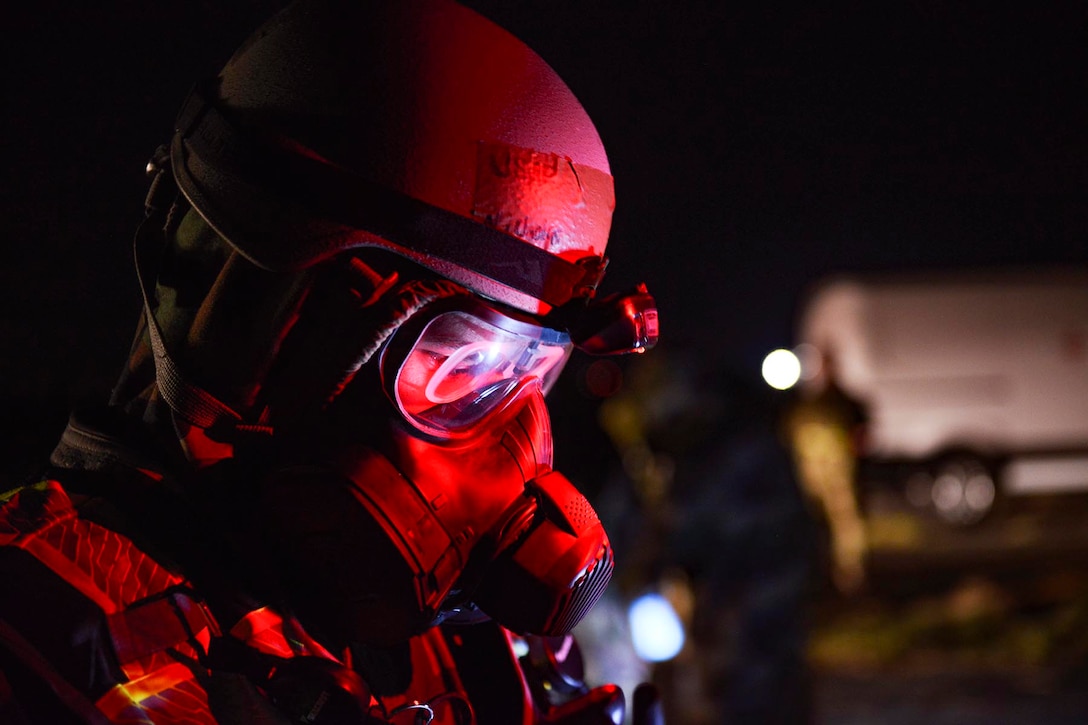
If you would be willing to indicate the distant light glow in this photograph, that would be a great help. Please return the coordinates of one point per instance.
(781, 369)
(656, 631)
(811, 360)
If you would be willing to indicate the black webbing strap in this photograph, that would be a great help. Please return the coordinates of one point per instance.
(193, 403)
(405, 222)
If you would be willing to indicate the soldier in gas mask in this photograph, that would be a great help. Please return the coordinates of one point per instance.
(322, 488)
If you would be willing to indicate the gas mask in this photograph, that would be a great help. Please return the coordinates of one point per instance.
(449, 508)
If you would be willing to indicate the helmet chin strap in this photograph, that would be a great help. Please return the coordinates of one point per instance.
(194, 404)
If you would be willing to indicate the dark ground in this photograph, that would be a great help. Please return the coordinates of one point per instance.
(943, 641)
(953, 697)
(975, 626)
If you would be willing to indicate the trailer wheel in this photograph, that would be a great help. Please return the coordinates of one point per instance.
(963, 491)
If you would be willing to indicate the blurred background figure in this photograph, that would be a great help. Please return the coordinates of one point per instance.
(824, 428)
(710, 520)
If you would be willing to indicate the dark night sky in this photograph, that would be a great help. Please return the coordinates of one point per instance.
(754, 150)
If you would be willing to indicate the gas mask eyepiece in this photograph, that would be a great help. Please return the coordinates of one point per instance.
(449, 368)
(463, 361)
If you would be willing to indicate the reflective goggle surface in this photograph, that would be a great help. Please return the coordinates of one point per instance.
(465, 365)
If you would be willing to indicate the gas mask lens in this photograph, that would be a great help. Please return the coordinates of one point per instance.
(464, 365)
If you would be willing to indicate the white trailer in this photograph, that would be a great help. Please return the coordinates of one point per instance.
(981, 374)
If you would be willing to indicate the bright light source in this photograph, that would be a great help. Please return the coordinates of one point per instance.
(656, 630)
(781, 369)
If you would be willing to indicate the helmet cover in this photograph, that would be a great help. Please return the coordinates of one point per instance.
(420, 127)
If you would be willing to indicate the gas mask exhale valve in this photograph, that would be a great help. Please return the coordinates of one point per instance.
(553, 563)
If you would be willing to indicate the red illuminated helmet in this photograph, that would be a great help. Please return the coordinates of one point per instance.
(417, 126)
(342, 134)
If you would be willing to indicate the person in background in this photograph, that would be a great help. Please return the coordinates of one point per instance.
(825, 427)
(733, 543)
